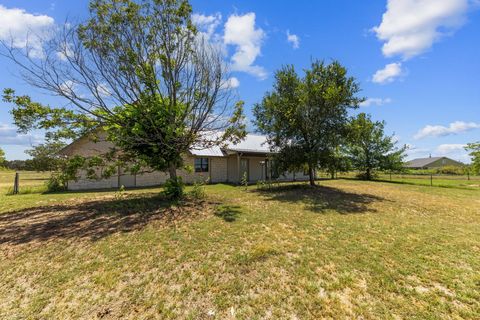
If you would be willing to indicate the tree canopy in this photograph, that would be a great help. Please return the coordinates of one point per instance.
(370, 149)
(2, 158)
(138, 70)
(45, 156)
(474, 149)
(306, 117)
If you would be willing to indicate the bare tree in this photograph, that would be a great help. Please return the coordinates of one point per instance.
(138, 70)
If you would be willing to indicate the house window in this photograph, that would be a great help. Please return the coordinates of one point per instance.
(201, 164)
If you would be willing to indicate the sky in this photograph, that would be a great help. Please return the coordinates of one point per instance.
(417, 61)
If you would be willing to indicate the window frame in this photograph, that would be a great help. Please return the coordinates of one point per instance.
(201, 165)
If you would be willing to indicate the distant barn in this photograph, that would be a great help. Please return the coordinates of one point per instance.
(432, 162)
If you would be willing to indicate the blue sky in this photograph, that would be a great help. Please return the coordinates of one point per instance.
(417, 60)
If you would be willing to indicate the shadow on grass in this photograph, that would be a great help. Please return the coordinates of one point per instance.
(322, 198)
(228, 213)
(94, 219)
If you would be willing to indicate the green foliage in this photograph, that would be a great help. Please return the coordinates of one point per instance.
(2, 158)
(45, 156)
(370, 150)
(474, 149)
(164, 86)
(306, 118)
(55, 183)
(198, 190)
(244, 180)
(174, 188)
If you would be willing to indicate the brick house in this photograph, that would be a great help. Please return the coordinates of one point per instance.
(250, 157)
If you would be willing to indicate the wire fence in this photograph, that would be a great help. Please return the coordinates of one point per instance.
(23, 182)
(466, 181)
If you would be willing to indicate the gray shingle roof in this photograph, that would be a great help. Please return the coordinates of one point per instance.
(421, 162)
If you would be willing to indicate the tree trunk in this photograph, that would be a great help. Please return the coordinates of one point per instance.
(332, 174)
(368, 175)
(172, 171)
(311, 175)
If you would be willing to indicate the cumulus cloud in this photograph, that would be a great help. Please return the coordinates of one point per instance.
(293, 39)
(10, 136)
(375, 102)
(410, 27)
(440, 131)
(453, 151)
(207, 24)
(240, 31)
(445, 149)
(388, 74)
(231, 83)
(21, 29)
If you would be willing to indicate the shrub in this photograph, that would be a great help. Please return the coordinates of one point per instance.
(244, 181)
(198, 189)
(174, 188)
(55, 183)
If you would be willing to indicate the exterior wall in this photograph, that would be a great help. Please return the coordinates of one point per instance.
(217, 173)
(221, 169)
(218, 168)
(84, 184)
(232, 169)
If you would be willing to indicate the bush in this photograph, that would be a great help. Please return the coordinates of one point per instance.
(55, 183)
(198, 190)
(174, 188)
(244, 181)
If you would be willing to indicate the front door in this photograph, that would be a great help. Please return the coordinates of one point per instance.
(244, 169)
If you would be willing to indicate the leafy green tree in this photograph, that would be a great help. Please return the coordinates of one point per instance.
(45, 156)
(370, 149)
(336, 161)
(306, 117)
(3, 160)
(474, 149)
(139, 71)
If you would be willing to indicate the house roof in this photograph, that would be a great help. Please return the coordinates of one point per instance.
(252, 143)
(421, 162)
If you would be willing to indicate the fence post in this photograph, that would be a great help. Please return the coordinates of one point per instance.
(15, 184)
(431, 180)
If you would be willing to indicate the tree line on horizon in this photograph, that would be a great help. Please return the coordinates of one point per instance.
(141, 72)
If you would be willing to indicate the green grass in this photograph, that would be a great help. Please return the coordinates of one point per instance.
(346, 249)
(444, 181)
(30, 181)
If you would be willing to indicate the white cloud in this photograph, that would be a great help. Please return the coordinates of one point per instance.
(207, 25)
(65, 52)
(453, 151)
(293, 39)
(24, 29)
(410, 27)
(388, 74)
(10, 136)
(375, 102)
(240, 31)
(231, 83)
(444, 149)
(439, 131)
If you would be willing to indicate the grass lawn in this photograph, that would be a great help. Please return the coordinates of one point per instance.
(346, 249)
(30, 181)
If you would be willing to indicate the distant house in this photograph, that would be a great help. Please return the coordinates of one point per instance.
(432, 162)
(228, 164)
